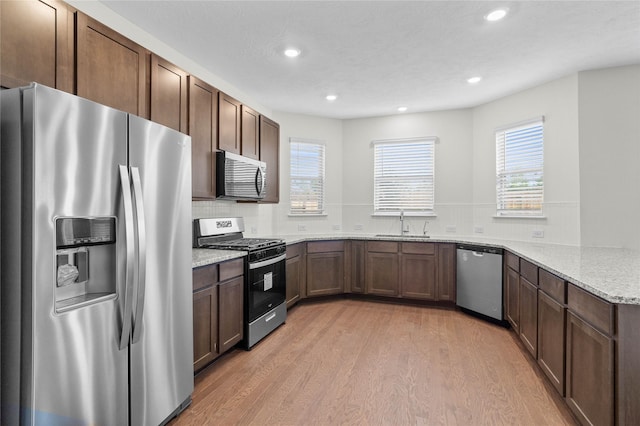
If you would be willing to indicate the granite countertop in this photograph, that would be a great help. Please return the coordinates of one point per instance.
(612, 274)
(203, 257)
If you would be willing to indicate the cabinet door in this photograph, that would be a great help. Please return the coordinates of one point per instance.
(551, 335)
(446, 279)
(325, 273)
(512, 290)
(111, 70)
(230, 308)
(37, 44)
(168, 94)
(589, 381)
(203, 129)
(205, 326)
(357, 266)
(250, 133)
(382, 273)
(270, 154)
(418, 274)
(229, 123)
(529, 316)
(294, 271)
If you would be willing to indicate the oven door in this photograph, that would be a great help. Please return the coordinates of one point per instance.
(266, 286)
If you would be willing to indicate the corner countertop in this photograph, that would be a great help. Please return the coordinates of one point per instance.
(610, 273)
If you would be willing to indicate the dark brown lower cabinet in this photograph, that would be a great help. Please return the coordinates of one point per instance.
(590, 373)
(325, 268)
(528, 301)
(512, 299)
(218, 303)
(205, 326)
(446, 279)
(295, 273)
(382, 269)
(418, 274)
(230, 311)
(358, 259)
(551, 338)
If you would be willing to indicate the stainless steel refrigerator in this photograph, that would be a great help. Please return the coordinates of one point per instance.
(96, 321)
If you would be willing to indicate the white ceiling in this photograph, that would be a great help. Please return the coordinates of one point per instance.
(379, 55)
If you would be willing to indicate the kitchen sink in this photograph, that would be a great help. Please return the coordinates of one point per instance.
(402, 236)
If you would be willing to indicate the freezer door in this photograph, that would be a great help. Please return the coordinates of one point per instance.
(73, 370)
(162, 337)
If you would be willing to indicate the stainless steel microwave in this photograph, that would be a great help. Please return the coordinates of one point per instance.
(239, 178)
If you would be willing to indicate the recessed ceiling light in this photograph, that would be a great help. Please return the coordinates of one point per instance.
(292, 53)
(402, 109)
(332, 97)
(496, 15)
(474, 80)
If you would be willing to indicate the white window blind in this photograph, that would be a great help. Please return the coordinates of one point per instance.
(519, 169)
(307, 176)
(404, 175)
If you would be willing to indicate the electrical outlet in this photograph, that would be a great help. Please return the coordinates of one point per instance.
(451, 229)
(478, 230)
(254, 230)
(358, 227)
(336, 227)
(302, 227)
(537, 233)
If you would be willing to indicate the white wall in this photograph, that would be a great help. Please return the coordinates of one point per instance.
(557, 101)
(318, 128)
(609, 111)
(453, 166)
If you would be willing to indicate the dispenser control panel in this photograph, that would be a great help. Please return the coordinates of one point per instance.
(81, 231)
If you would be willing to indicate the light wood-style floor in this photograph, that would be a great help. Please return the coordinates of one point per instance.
(361, 362)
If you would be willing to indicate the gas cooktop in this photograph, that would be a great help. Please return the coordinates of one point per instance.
(226, 233)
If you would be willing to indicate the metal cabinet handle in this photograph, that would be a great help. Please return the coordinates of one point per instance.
(130, 254)
(142, 253)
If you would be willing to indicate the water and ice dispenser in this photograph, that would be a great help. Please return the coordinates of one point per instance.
(85, 261)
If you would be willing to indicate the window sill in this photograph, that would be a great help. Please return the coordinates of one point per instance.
(307, 215)
(406, 214)
(519, 217)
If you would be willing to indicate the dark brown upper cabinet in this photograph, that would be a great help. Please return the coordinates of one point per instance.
(229, 118)
(270, 154)
(250, 134)
(168, 94)
(111, 69)
(37, 44)
(203, 129)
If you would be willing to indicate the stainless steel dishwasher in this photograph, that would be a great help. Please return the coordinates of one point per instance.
(479, 280)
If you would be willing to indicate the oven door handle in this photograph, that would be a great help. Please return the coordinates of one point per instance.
(267, 262)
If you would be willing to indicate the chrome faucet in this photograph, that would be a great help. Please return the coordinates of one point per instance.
(402, 230)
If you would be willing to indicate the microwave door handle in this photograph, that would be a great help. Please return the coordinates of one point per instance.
(130, 254)
(259, 186)
(142, 253)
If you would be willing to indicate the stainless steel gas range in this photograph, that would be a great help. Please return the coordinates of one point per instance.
(264, 273)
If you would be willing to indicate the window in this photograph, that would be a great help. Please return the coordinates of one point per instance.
(403, 176)
(307, 177)
(519, 169)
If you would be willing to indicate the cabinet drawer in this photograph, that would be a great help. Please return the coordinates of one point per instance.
(513, 262)
(205, 276)
(325, 246)
(295, 250)
(419, 248)
(597, 312)
(553, 286)
(529, 271)
(382, 246)
(231, 269)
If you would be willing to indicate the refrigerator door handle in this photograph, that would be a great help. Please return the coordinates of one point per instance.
(130, 254)
(142, 253)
